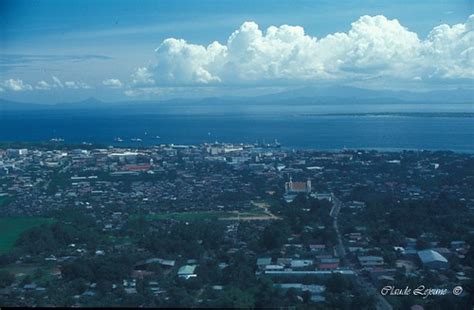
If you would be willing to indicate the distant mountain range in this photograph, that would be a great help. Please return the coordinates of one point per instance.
(347, 94)
(301, 96)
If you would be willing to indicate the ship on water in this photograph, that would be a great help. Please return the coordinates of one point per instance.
(275, 144)
(57, 140)
(118, 139)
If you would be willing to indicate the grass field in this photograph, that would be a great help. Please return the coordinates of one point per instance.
(203, 215)
(188, 216)
(12, 227)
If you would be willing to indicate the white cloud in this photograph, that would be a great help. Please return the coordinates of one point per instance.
(450, 50)
(112, 83)
(43, 85)
(83, 85)
(142, 77)
(181, 62)
(71, 84)
(374, 47)
(76, 85)
(57, 82)
(16, 85)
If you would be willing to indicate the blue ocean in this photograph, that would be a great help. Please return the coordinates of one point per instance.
(381, 127)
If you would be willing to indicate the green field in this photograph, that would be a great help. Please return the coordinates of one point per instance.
(188, 216)
(203, 215)
(12, 227)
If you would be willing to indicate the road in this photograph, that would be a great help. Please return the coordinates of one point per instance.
(380, 302)
(336, 208)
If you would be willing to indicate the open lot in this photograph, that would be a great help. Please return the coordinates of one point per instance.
(260, 212)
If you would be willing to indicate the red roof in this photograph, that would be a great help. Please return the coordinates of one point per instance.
(138, 167)
(328, 266)
(298, 186)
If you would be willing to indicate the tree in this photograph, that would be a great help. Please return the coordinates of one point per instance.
(267, 295)
(274, 236)
(6, 279)
(235, 298)
(292, 296)
(336, 283)
(179, 298)
(306, 297)
(77, 269)
(37, 240)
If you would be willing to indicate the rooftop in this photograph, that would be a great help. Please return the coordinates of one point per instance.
(186, 269)
(428, 256)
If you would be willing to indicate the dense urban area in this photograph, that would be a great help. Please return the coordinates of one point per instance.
(235, 225)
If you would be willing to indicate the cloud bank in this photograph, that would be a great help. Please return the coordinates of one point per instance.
(374, 52)
(374, 48)
(18, 85)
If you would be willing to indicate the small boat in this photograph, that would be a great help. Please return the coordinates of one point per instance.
(136, 140)
(57, 140)
(157, 137)
(118, 139)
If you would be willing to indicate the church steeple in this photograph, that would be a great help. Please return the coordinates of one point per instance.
(289, 185)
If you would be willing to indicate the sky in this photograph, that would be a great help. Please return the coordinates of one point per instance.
(61, 51)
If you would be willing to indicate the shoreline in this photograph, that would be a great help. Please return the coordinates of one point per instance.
(91, 145)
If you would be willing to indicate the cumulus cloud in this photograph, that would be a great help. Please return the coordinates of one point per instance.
(71, 84)
(83, 85)
(374, 47)
(181, 62)
(112, 83)
(43, 85)
(451, 50)
(16, 85)
(57, 82)
(142, 77)
(76, 85)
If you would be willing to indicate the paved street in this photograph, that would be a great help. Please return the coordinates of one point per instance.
(381, 302)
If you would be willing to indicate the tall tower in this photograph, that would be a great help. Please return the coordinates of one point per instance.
(308, 185)
(289, 185)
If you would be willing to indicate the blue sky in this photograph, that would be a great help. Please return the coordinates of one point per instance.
(69, 50)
